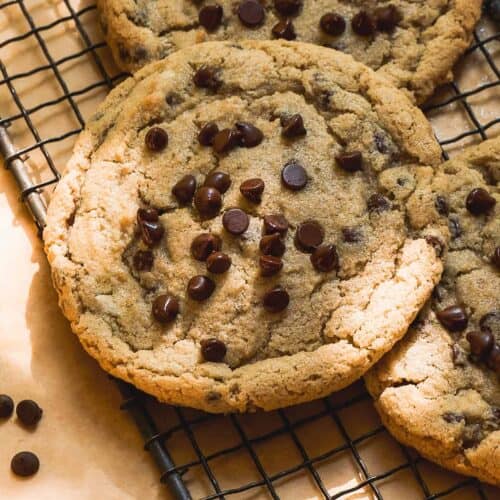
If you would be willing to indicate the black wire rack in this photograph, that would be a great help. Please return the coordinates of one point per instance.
(188, 462)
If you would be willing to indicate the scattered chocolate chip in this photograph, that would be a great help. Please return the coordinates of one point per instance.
(226, 140)
(206, 78)
(495, 258)
(490, 321)
(207, 133)
(350, 162)
(218, 262)
(292, 126)
(252, 190)
(378, 203)
(28, 412)
(270, 265)
(200, 288)
(284, 29)
(249, 135)
(156, 139)
(6, 406)
(251, 13)
(218, 180)
(453, 318)
(442, 205)
(309, 236)
(205, 244)
(213, 350)
(275, 223)
(435, 242)
(332, 24)
(272, 244)
(174, 99)
(184, 189)
(479, 201)
(493, 360)
(151, 232)
(453, 418)
(481, 343)
(208, 201)
(351, 234)
(143, 260)
(235, 221)
(363, 24)
(325, 258)
(387, 18)
(147, 214)
(294, 176)
(24, 464)
(276, 300)
(165, 308)
(210, 17)
(288, 7)
(455, 227)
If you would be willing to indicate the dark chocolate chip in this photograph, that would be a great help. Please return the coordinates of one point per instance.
(442, 205)
(143, 260)
(435, 242)
(184, 189)
(28, 412)
(332, 24)
(479, 201)
(455, 227)
(325, 258)
(363, 24)
(200, 288)
(151, 232)
(207, 133)
(453, 318)
(270, 265)
(147, 214)
(156, 139)
(226, 140)
(207, 78)
(213, 350)
(208, 201)
(205, 244)
(352, 234)
(350, 162)
(6, 406)
(165, 308)
(387, 18)
(251, 13)
(276, 300)
(495, 258)
(218, 262)
(218, 180)
(293, 126)
(24, 464)
(294, 176)
(252, 190)
(481, 342)
(378, 203)
(235, 221)
(210, 16)
(284, 29)
(275, 223)
(493, 360)
(288, 7)
(249, 135)
(272, 244)
(490, 321)
(174, 99)
(309, 236)
(453, 418)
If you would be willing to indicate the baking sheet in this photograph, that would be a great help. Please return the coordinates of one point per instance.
(87, 447)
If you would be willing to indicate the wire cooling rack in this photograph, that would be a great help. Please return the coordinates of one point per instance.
(192, 448)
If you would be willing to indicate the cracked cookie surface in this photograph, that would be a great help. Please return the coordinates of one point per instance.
(338, 152)
(438, 389)
(412, 43)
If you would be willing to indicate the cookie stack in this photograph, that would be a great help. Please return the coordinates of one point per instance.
(252, 223)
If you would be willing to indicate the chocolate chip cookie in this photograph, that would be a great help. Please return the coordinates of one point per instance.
(412, 43)
(438, 389)
(231, 239)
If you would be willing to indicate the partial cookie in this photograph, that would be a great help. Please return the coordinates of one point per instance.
(413, 43)
(228, 240)
(438, 389)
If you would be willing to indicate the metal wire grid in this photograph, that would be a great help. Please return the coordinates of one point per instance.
(157, 435)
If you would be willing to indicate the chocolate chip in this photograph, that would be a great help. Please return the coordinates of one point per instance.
(206, 78)
(210, 17)
(363, 24)
(28, 412)
(272, 245)
(24, 464)
(294, 176)
(453, 318)
(387, 18)
(250, 136)
(380, 142)
(442, 205)
(455, 227)
(285, 30)
(325, 258)
(156, 139)
(174, 99)
(208, 201)
(351, 234)
(332, 24)
(276, 300)
(207, 133)
(309, 236)
(151, 232)
(378, 203)
(213, 350)
(481, 343)
(147, 214)
(479, 201)
(453, 418)
(252, 189)
(226, 140)
(288, 7)
(350, 162)
(251, 13)
(218, 180)
(495, 258)
(490, 321)
(143, 260)
(205, 244)
(6, 406)
(275, 223)
(184, 189)
(270, 265)
(200, 288)
(218, 262)
(493, 360)
(293, 126)
(235, 221)
(165, 308)
(435, 242)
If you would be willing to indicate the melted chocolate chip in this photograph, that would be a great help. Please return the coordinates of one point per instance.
(213, 350)
(332, 24)
(210, 17)
(292, 126)
(276, 300)
(165, 308)
(249, 135)
(453, 418)
(288, 7)
(471, 436)
(218, 180)
(226, 140)
(6, 406)
(441, 205)
(495, 258)
(24, 464)
(275, 223)
(28, 412)
(218, 262)
(479, 201)
(350, 162)
(143, 260)
(309, 236)
(272, 244)
(184, 189)
(294, 176)
(387, 18)
(285, 30)
(208, 201)
(200, 288)
(205, 244)
(156, 139)
(352, 234)
(363, 24)
(207, 133)
(270, 265)
(252, 190)
(490, 321)
(206, 78)
(378, 203)
(151, 232)
(251, 13)
(147, 214)
(453, 318)
(481, 343)
(435, 242)
(493, 360)
(325, 258)
(235, 221)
